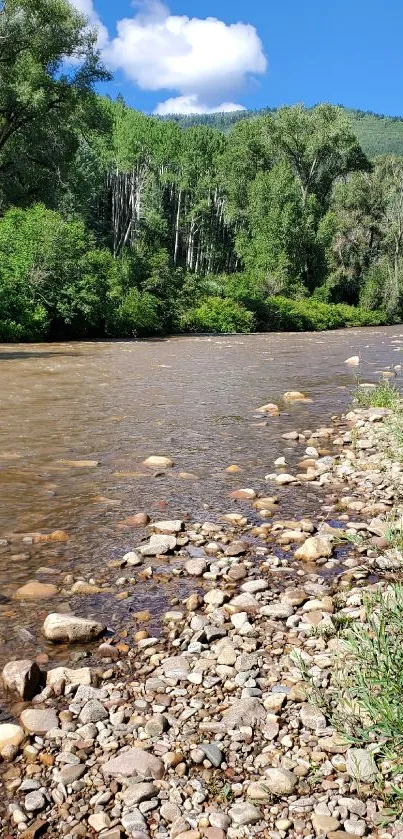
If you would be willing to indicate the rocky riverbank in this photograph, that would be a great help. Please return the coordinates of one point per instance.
(212, 729)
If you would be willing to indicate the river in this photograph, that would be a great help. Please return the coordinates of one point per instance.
(190, 398)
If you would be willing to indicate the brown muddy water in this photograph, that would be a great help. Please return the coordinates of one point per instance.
(191, 398)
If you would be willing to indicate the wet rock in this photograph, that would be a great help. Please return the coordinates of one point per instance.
(158, 544)
(35, 591)
(294, 396)
(269, 408)
(244, 813)
(236, 549)
(23, 677)
(59, 627)
(158, 462)
(353, 361)
(315, 547)
(247, 494)
(284, 479)
(361, 765)
(39, 721)
(280, 781)
(137, 520)
(169, 528)
(134, 762)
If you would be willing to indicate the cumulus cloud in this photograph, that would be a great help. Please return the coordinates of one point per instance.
(205, 60)
(86, 7)
(190, 105)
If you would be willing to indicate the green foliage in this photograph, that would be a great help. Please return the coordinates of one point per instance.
(137, 315)
(384, 395)
(298, 315)
(216, 314)
(368, 687)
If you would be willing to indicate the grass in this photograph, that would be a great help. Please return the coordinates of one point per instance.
(384, 395)
(366, 699)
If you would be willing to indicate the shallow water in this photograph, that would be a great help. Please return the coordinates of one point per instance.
(191, 398)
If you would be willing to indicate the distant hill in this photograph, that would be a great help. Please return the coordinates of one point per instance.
(377, 134)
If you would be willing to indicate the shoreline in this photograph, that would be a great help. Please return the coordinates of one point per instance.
(226, 743)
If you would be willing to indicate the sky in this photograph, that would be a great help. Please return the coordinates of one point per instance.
(201, 56)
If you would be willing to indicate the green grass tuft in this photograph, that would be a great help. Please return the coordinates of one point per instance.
(384, 395)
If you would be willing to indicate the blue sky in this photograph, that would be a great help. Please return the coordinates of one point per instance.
(170, 57)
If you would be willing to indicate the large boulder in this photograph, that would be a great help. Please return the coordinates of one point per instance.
(58, 627)
(11, 735)
(23, 677)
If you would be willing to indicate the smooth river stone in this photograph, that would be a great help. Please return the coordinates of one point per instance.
(135, 762)
(33, 590)
(39, 722)
(58, 627)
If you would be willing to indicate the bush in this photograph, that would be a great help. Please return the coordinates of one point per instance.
(136, 315)
(217, 314)
(312, 315)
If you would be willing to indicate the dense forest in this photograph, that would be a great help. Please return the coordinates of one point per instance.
(114, 223)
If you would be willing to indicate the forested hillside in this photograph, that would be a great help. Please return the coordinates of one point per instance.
(377, 134)
(117, 224)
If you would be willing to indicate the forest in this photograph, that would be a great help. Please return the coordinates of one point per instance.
(117, 224)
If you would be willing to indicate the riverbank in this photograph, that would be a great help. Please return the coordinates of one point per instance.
(211, 729)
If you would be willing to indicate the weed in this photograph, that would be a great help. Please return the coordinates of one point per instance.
(384, 395)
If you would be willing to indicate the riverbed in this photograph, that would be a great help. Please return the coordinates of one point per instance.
(113, 404)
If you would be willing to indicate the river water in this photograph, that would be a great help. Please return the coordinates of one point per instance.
(190, 398)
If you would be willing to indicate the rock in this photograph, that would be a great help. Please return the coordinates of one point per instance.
(99, 821)
(11, 735)
(353, 361)
(236, 549)
(81, 676)
(294, 396)
(68, 774)
(233, 469)
(242, 814)
(213, 753)
(361, 765)
(315, 547)
(270, 408)
(22, 676)
(243, 712)
(79, 463)
(36, 829)
(196, 567)
(59, 627)
(158, 544)
(278, 611)
(135, 762)
(214, 597)
(137, 520)
(39, 722)
(245, 602)
(220, 820)
(81, 587)
(284, 479)
(253, 586)
(294, 596)
(280, 781)
(323, 825)
(158, 462)
(258, 791)
(34, 802)
(93, 711)
(356, 828)
(247, 494)
(312, 717)
(136, 793)
(35, 591)
(132, 558)
(176, 667)
(169, 528)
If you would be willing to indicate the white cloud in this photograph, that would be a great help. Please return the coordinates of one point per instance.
(190, 105)
(204, 60)
(86, 7)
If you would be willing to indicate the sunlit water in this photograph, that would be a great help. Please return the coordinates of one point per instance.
(191, 398)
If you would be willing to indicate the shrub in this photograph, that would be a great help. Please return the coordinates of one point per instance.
(217, 314)
(136, 315)
(299, 315)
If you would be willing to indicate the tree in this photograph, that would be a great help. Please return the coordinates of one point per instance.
(48, 67)
(318, 144)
